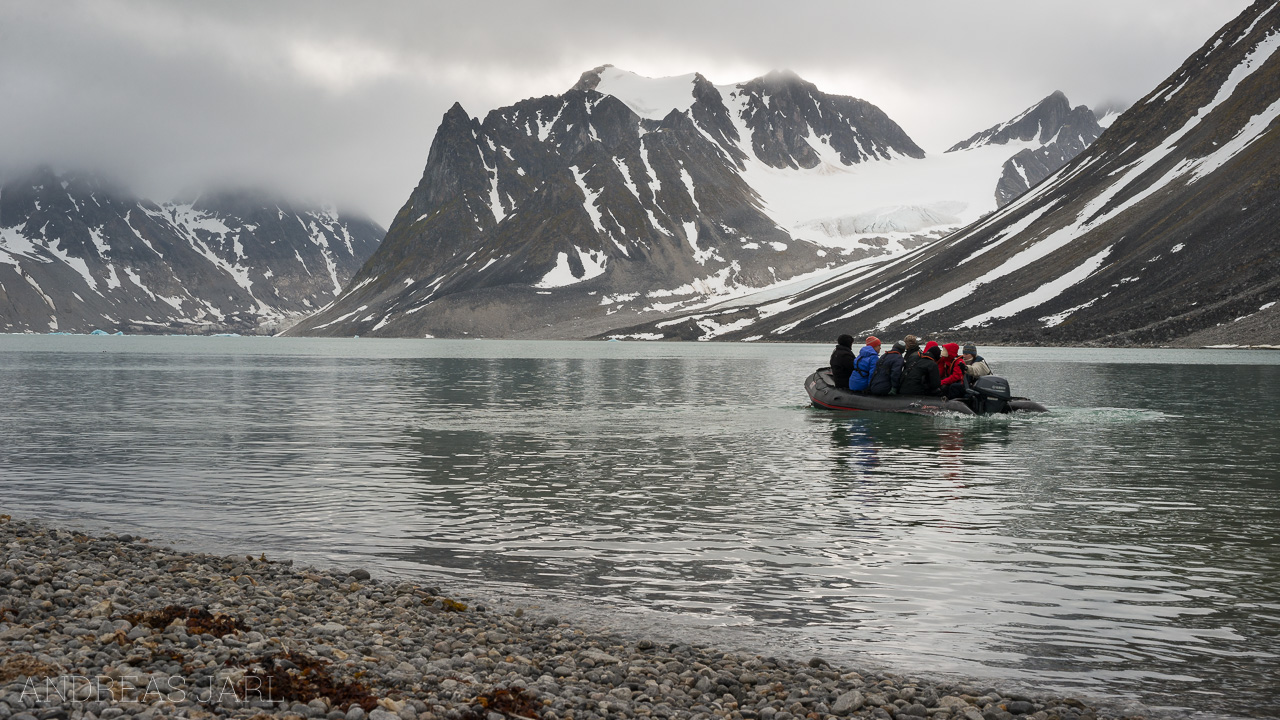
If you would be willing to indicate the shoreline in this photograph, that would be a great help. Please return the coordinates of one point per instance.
(112, 626)
(1026, 344)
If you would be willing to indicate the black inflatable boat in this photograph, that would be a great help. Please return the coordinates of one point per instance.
(988, 395)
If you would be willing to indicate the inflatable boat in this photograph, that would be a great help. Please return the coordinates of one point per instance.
(988, 395)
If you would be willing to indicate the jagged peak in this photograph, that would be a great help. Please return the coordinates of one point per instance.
(71, 181)
(590, 79)
(1054, 102)
(456, 121)
(778, 80)
(456, 112)
(781, 75)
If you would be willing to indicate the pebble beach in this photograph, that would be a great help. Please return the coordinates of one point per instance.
(115, 626)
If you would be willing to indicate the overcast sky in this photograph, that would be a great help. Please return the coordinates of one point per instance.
(339, 100)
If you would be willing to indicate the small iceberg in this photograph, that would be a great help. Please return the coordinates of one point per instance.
(99, 332)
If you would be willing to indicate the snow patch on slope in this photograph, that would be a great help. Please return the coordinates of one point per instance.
(1042, 294)
(13, 242)
(593, 265)
(651, 98)
(589, 198)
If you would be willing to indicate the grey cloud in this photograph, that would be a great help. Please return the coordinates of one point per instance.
(340, 100)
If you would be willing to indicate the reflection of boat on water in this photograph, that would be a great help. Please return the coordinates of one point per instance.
(989, 395)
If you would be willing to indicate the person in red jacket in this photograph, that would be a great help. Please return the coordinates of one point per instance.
(939, 357)
(951, 367)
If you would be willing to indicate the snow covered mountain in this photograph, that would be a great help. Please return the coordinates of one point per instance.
(1050, 133)
(628, 196)
(1163, 231)
(78, 254)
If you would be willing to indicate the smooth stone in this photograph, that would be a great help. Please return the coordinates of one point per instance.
(847, 703)
(332, 628)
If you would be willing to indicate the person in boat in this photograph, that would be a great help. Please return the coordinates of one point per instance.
(920, 374)
(974, 365)
(842, 359)
(865, 365)
(951, 368)
(888, 374)
(937, 357)
(911, 347)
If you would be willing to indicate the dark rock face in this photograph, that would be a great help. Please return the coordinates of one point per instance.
(1161, 232)
(1026, 169)
(78, 254)
(1062, 132)
(576, 207)
(782, 110)
(1040, 122)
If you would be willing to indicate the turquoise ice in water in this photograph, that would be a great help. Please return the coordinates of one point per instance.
(1123, 546)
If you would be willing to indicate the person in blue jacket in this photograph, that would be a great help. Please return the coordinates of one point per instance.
(865, 366)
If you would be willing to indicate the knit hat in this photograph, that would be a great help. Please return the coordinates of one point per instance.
(953, 350)
(970, 350)
(899, 346)
(911, 341)
(930, 345)
(934, 352)
(873, 341)
(845, 341)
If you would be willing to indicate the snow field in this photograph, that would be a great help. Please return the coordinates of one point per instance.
(593, 265)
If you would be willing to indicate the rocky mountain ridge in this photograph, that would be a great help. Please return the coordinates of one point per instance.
(1161, 232)
(628, 197)
(1060, 131)
(79, 254)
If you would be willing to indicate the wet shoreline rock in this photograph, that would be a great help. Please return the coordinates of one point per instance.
(98, 628)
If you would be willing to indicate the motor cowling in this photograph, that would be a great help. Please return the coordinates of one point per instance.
(992, 386)
(990, 394)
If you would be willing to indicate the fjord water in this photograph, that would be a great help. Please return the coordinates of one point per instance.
(1122, 546)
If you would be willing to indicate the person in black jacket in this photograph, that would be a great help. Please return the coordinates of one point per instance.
(920, 374)
(842, 359)
(912, 347)
(888, 375)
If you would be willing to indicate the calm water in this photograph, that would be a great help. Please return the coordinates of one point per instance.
(1124, 546)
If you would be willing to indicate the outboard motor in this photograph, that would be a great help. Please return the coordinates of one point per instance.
(989, 395)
